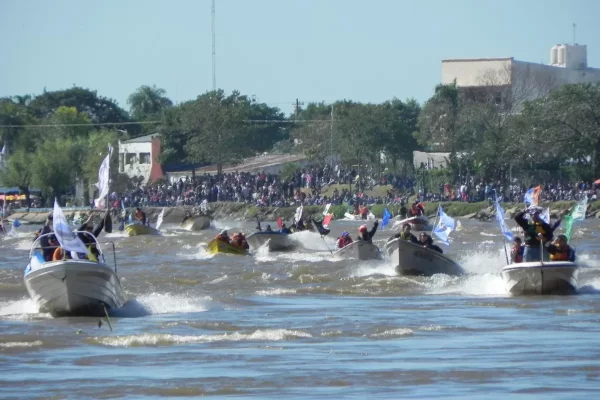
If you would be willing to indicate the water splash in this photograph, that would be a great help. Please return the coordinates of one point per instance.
(160, 303)
(20, 309)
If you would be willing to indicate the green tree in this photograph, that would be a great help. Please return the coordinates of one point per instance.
(399, 123)
(53, 169)
(18, 172)
(148, 102)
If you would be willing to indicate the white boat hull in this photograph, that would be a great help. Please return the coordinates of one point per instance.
(359, 250)
(411, 259)
(196, 224)
(416, 223)
(74, 288)
(276, 241)
(551, 277)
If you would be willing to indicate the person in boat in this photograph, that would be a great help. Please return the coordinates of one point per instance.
(403, 210)
(406, 234)
(516, 253)
(366, 235)
(427, 241)
(122, 219)
(140, 216)
(88, 240)
(417, 209)
(364, 212)
(344, 240)
(239, 240)
(560, 250)
(284, 229)
(223, 236)
(47, 248)
(268, 228)
(319, 225)
(537, 232)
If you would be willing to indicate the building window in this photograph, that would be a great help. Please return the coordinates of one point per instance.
(130, 158)
(121, 162)
(144, 158)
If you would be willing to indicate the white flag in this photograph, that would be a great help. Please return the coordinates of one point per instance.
(298, 215)
(102, 182)
(326, 211)
(444, 226)
(160, 219)
(578, 213)
(67, 239)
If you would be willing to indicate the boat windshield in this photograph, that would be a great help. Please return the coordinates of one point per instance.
(37, 245)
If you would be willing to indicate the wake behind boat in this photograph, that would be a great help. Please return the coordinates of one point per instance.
(412, 259)
(359, 250)
(549, 277)
(277, 241)
(73, 287)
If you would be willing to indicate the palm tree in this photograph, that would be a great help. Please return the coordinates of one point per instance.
(148, 101)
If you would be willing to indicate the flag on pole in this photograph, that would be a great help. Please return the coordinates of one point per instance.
(326, 211)
(298, 215)
(386, 218)
(67, 239)
(500, 218)
(159, 220)
(578, 214)
(444, 226)
(279, 222)
(102, 182)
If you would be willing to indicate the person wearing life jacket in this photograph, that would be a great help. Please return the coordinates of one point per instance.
(537, 232)
(405, 235)
(140, 216)
(47, 248)
(344, 240)
(241, 241)
(223, 237)
(268, 228)
(417, 209)
(88, 238)
(426, 241)
(560, 250)
(366, 235)
(516, 253)
(284, 229)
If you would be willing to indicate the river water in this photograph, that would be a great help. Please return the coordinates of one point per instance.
(303, 326)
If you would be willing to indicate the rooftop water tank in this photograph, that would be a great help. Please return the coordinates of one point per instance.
(562, 55)
(554, 55)
(576, 56)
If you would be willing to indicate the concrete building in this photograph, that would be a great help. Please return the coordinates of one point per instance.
(138, 158)
(511, 81)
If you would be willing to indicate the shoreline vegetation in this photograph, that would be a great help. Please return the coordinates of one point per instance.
(249, 212)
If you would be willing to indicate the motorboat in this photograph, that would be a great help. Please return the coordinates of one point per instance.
(277, 241)
(221, 247)
(73, 287)
(359, 250)
(195, 224)
(418, 223)
(139, 230)
(537, 277)
(412, 259)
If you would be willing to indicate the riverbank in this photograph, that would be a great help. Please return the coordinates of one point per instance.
(246, 212)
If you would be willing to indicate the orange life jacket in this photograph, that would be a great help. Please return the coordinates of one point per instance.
(562, 255)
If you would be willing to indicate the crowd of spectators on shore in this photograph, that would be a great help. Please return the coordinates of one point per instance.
(306, 186)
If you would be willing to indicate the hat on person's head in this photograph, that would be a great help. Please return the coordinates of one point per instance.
(345, 233)
(224, 232)
(363, 228)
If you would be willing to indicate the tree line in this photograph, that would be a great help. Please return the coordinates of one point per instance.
(493, 132)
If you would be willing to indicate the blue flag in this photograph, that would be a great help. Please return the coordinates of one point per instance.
(500, 218)
(386, 218)
(444, 226)
(528, 198)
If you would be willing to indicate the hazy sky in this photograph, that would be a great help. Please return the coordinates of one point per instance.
(278, 50)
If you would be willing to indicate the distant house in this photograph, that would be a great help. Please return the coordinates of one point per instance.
(138, 158)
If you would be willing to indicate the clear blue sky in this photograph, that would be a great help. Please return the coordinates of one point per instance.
(278, 50)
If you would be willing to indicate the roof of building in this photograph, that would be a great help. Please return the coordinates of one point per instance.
(478, 59)
(142, 139)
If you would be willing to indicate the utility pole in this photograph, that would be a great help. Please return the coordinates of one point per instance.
(214, 51)
(297, 106)
(574, 33)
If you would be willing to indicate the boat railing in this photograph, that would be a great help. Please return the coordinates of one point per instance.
(101, 257)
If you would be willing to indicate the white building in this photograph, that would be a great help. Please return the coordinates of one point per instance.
(138, 158)
(509, 79)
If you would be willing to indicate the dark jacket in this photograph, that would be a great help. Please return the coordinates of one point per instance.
(368, 236)
(432, 246)
(405, 236)
(531, 230)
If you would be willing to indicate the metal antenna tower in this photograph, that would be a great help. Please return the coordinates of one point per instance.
(214, 52)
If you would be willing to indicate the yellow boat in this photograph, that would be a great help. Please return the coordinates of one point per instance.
(138, 230)
(220, 247)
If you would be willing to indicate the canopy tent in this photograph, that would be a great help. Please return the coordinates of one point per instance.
(13, 197)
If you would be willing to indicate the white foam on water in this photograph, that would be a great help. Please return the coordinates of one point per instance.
(472, 285)
(487, 234)
(220, 225)
(199, 252)
(275, 292)
(168, 339)
(312, 241)
(21, 344)
(398, 332)
(374, 267)
(24, 244)
(484, 258)
(19, 309)
(115, 234)
(159, 303)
